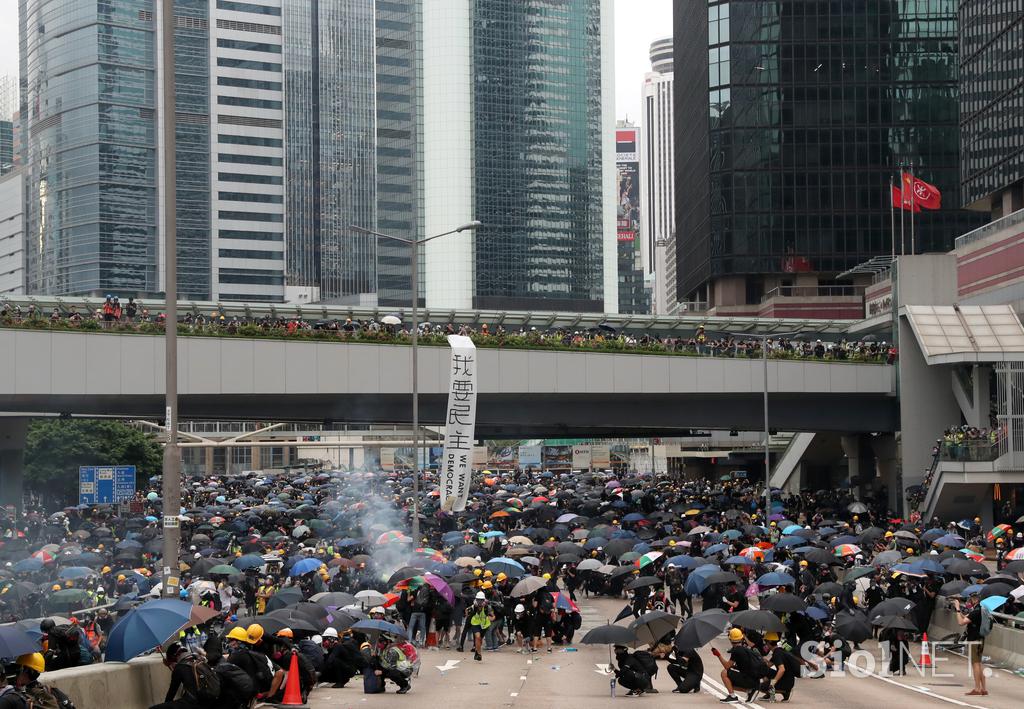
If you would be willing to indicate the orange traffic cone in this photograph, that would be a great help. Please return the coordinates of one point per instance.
(926, 655)
(292, 688)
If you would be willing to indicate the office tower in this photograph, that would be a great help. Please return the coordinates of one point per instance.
(248, 175)
(399, 127)
(992, 105)
(634, 298)
(12, 237)
(518, 130)
(657, 178)
(791, 118)
(90, 147)
(8, 107)
(6, 146)
(330, 154)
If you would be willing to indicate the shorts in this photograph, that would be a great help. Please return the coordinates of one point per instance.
(477, 629)
(742, 681)
(975, 650)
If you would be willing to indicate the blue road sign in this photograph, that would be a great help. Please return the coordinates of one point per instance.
(105, 485)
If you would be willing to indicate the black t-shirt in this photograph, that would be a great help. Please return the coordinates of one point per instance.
(974, 625)
(743, 660)
(782, 658)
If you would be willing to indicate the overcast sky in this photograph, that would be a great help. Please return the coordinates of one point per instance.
(637, 24)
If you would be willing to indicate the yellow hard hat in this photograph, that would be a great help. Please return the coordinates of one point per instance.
(771, 524)
(502, 576)
(909, 550)
(771, 636)
(477, 572)
(978, 520)
(285, 633)
(56, 587)
(735, 635)
(105, 570)
(803, 562)
(238, 633)
(255, 633)
(546, 577)
(856, 517)
(888, 534)
(69, 583)
(33, 661)
(671, 542)
(551, 539)
(856, 600)
(488, 574)
(121, 577)
(486, 584)
(753, 516)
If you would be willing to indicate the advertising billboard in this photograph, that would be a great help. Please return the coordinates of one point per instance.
(627, 161)
(557, 457)
(529, 457)
(581, 456)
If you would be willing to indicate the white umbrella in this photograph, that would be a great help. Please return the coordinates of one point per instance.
(391, 320)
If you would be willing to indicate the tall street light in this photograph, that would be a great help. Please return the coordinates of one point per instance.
(171, 486)
(415, 271)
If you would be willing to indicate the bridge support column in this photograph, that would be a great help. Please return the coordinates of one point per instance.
(887, 460)
(13, 432)
(257, 458)
(860, 462)
(208, 460)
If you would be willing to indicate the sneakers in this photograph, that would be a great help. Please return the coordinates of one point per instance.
(730, 698)
(404, 690)
(651, 690)
(477, 657)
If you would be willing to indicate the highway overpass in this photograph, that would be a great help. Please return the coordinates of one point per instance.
(522, 393)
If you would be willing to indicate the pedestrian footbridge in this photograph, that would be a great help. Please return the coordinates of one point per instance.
(522, 393)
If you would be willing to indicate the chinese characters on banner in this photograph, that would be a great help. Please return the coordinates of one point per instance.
(460, 420)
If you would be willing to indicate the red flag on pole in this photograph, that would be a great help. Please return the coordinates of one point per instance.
(925, 196)
(901, 202)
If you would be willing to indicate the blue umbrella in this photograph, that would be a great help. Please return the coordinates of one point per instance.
(715, 548)
(249, 561)
(304, 566)
(376, 627)
(684, 561)
(696, 584)
(76, 572)
(815, 613)
(502, 564)
(739, 560)
(148, 626)
(14, 642)
(972, 589)
(993, 602)
(492, 534)
(789, 542)
(791, 528)
(633, 517)
(128, 544)
(29, 565)
(732, 534)
(641, 547)
(949, 540)
(930, 566)
(776, 578)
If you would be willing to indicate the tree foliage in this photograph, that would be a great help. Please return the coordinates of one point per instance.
(55, 448)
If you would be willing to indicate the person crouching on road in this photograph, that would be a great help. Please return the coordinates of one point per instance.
(391, 663)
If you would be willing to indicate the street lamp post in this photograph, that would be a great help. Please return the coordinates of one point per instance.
(415, 278)
(171, 485)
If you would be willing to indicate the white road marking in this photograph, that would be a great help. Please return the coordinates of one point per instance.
(928, 693)
(718, 690)
(449, 665)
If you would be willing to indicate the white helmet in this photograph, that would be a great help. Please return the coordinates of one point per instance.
(480, 596)
(520, 608)
(330, 633)
(378, 609)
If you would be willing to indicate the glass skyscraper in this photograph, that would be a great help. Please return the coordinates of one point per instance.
(330, 154)
(90, 146)
(791, 119)
(518, 134)
(992, 104)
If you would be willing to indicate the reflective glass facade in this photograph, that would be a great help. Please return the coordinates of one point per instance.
(90, 145)
(399, 129)
(328, 56)
(992, 100)
(791, 118)
(6, 146)
(537, 157)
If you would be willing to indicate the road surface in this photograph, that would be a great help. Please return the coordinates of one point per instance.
(567, 680)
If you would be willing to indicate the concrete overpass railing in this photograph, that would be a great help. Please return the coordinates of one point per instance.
(138, 684)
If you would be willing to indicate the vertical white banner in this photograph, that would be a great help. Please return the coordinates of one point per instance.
(460, 422)
(581, 456)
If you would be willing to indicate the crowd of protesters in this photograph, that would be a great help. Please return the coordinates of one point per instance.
(133, 315)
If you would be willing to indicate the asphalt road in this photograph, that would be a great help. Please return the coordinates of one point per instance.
(566, 680)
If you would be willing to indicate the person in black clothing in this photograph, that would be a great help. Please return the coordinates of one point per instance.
(972, 618)
(630, 672)
(740, 669)
(181, 678)
(785, 664)
(344, 661)
(687, 670)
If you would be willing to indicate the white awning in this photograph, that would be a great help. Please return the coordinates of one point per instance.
(950, 334)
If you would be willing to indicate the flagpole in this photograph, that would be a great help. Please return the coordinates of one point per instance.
(903, 241)
(913, 204)
(892, 215)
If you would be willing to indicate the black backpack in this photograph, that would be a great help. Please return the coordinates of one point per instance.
(264, 671)
(235, 683)
(758, 667)
(201, 682)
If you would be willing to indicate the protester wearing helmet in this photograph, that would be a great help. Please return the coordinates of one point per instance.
(741, 669)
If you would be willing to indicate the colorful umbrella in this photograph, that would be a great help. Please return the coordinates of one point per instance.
(754, 553)
(648, 558)
(847, 550)
(1000, 530)
(392, 537)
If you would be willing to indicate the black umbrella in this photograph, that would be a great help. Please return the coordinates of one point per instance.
(284, 597)
(953, 588)
(406, 572)
(653, 626)
(783, 603)
(820, 556)
(643, 581)
(891, 606)
(900, 622)
(609, 635)
(721, 577)
(853, 626)
(965, 567)
(626, 612)
(829, 588)
(757, 620)
(700, 629)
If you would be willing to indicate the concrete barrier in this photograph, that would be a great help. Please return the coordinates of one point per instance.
(138, 684)
(1004, 645)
